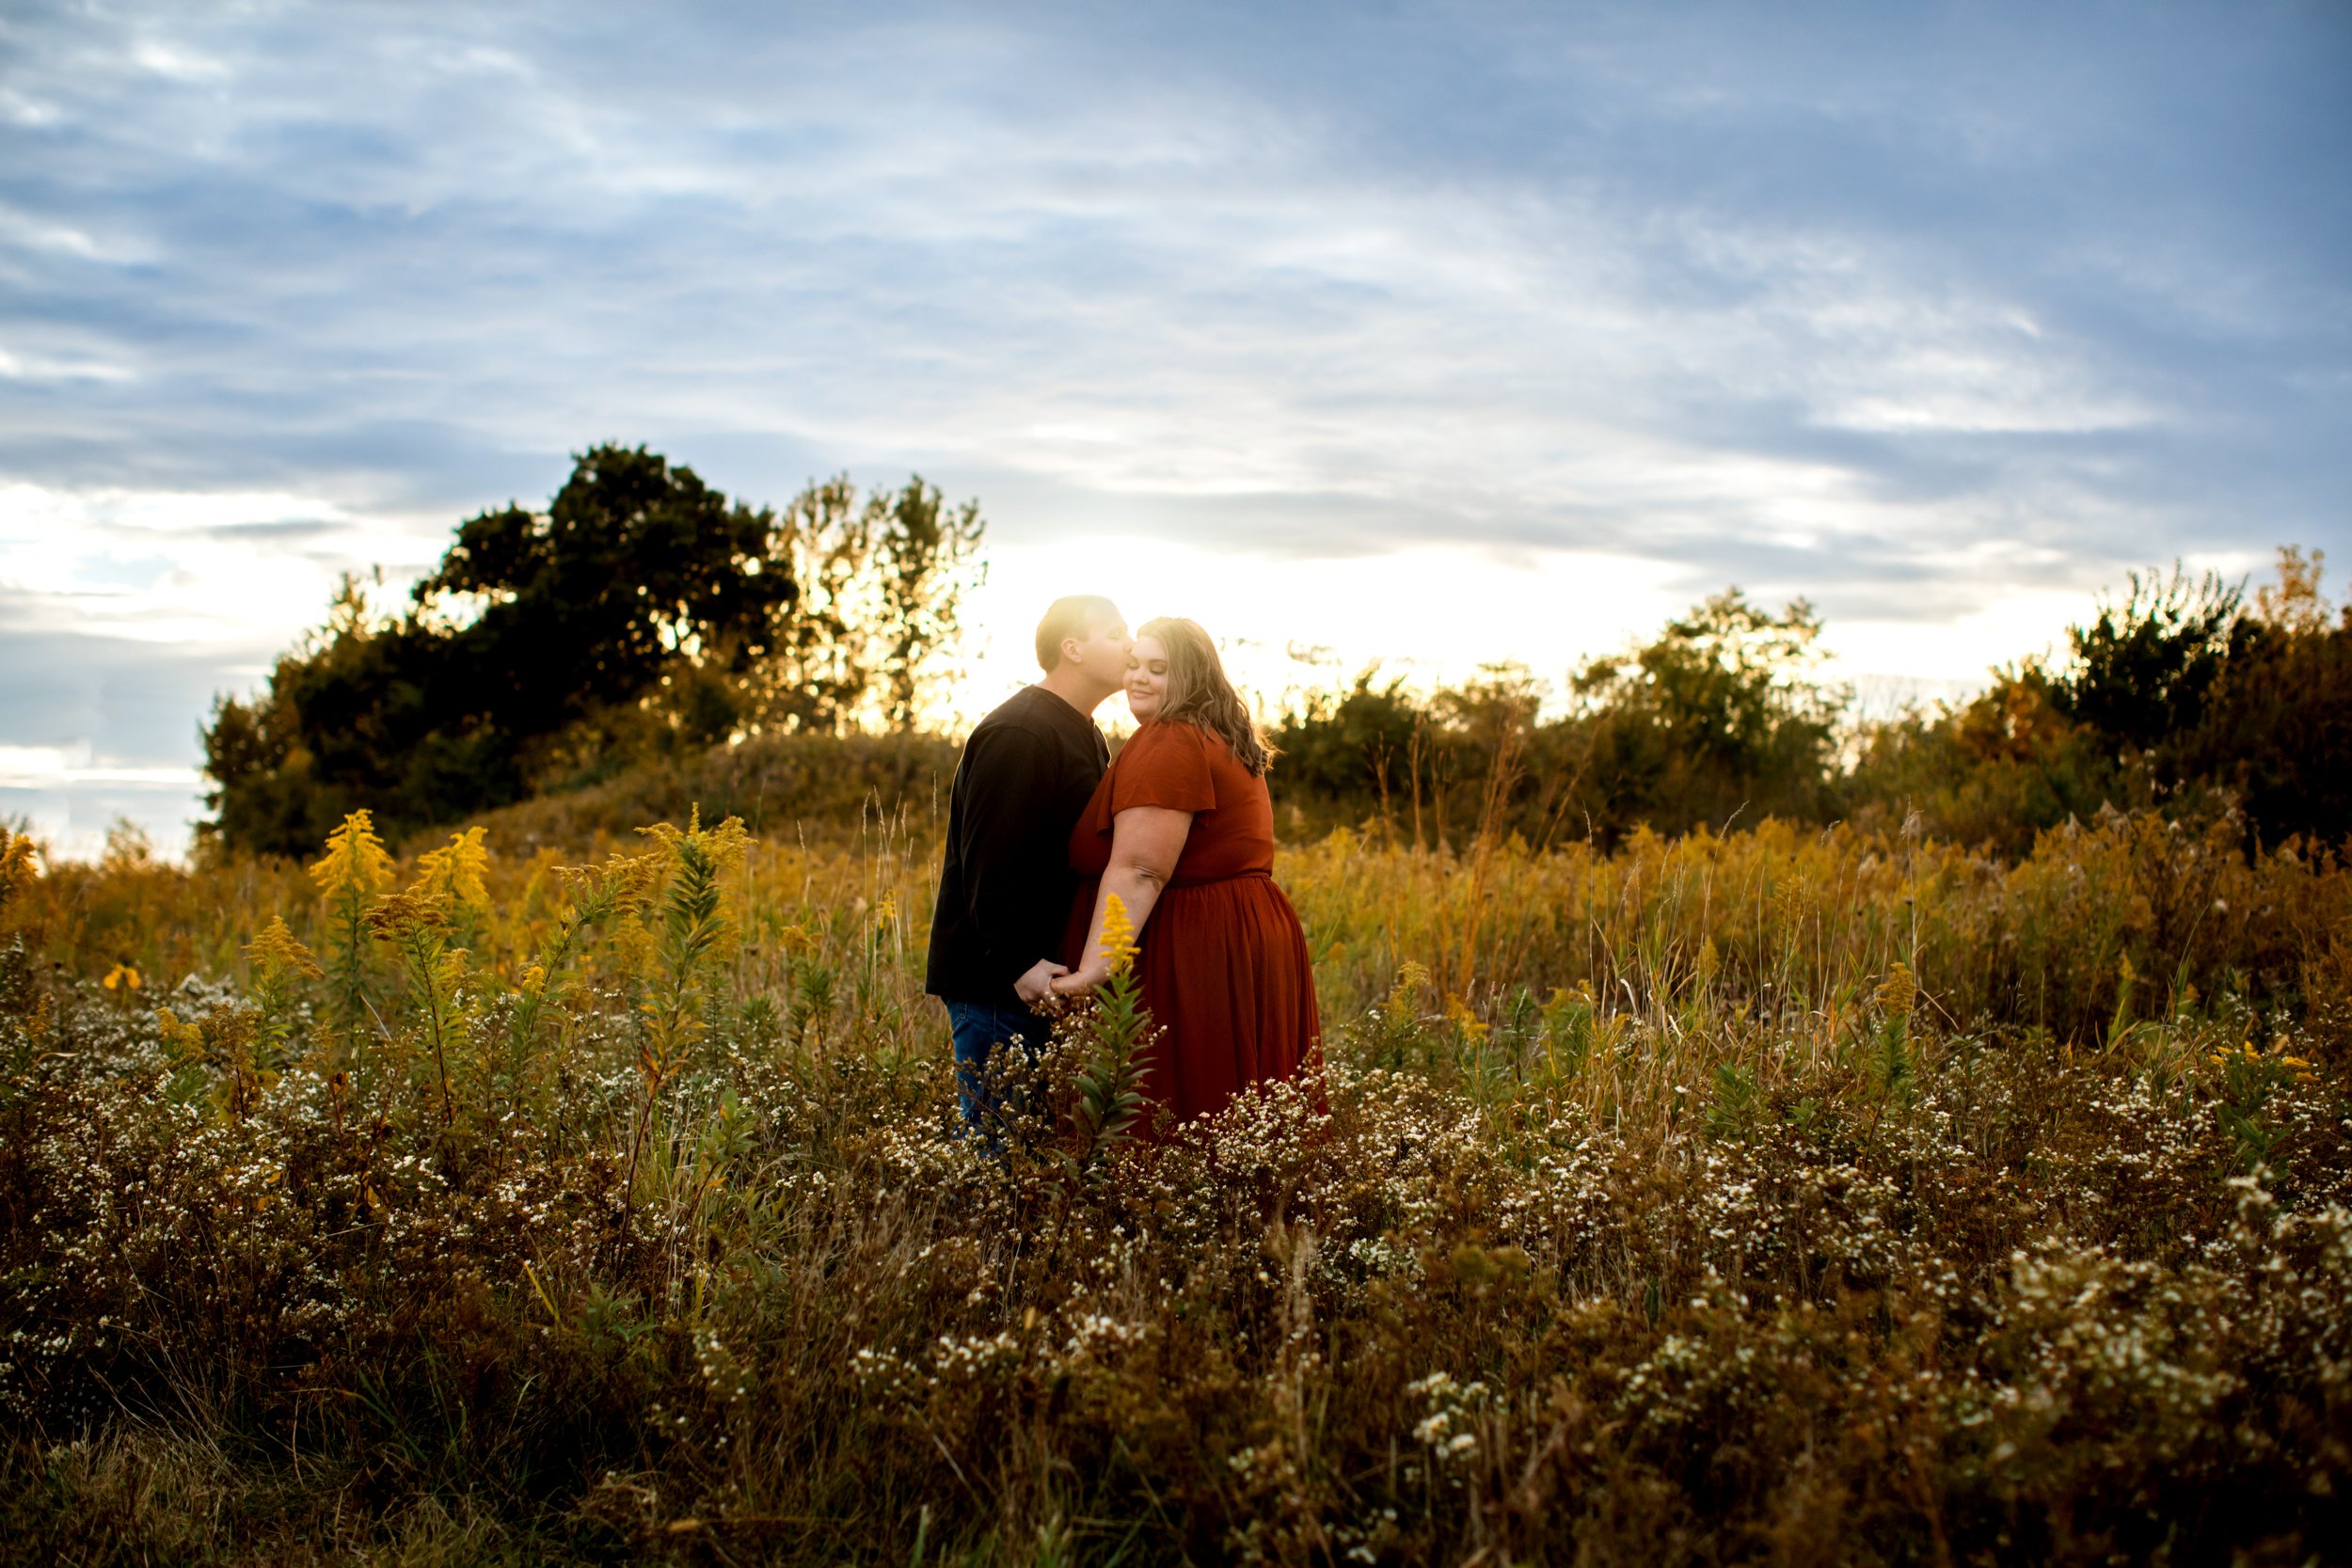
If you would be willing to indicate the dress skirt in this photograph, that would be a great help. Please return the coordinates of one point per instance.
(1223, 967)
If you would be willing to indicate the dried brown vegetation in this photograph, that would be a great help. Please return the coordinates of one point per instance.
(1787, 1196)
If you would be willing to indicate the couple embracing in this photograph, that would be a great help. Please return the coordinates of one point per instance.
(1044, 829)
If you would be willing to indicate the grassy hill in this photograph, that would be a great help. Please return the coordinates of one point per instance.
(779, 784)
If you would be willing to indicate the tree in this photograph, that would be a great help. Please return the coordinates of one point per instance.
(642, 613)
(1351, 746)
(2277, 730)
(2177, 697)
(926, 559)
(636, 567)
(1993, 771)
(2143, 667)
(883, 581)
(1723, 712)
(1721, 715)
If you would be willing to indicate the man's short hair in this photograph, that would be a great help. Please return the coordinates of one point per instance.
(1074, 616)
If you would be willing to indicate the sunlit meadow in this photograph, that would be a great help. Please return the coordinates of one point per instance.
(561, 1192)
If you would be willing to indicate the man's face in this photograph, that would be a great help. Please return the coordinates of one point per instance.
(1102, 656)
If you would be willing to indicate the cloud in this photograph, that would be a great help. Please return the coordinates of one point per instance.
(1929, 307)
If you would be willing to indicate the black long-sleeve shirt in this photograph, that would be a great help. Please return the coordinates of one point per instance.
(1005, 883)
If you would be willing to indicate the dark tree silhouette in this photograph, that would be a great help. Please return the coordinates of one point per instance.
(642, 612)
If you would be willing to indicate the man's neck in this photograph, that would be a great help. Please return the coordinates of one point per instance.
(1073, 687)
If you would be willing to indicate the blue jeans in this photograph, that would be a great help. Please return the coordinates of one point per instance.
(980, 1027)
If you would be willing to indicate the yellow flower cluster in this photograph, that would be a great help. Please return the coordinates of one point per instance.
(16, 867)
(356, 861)
(725, 844)
(453, 874)
(276, 953)
(1458, 1013)
(1404, 998)
(1899, 992)
(2248, 1052)
(1119, 935)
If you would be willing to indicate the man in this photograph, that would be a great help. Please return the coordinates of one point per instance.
(1005, 884)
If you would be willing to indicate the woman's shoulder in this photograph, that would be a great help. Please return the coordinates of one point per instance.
(1168, 736)
(1164, 764)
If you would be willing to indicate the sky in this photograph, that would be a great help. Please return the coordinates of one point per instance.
(1435, 334)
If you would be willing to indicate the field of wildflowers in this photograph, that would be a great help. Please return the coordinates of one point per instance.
(1789, 1196)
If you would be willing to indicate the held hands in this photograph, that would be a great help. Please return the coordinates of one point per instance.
(1082, 982)
(1038, 983)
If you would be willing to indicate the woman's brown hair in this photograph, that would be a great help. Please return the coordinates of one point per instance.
(1198, 693)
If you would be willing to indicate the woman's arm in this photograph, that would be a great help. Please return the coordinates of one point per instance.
(1145, 844)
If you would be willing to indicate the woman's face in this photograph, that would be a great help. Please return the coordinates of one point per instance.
(1147, 678)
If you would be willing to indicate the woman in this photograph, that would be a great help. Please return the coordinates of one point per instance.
(1182, 830)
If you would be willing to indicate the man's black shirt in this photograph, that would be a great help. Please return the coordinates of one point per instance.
(1005, 884)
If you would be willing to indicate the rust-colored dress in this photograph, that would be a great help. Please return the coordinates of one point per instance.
(1222, 959)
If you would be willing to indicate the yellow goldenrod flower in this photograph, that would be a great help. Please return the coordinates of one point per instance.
(181, 1039)
(1458, 1013)
(17, 867)
(1404, 997)
(355, 863)
(725, 844)
(1119, 935)
(453, 874)
(400, 914)
(1898, 994)
(276, 953)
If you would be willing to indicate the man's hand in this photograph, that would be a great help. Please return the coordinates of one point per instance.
(1038, 983)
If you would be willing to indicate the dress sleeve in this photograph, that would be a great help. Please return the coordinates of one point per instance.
(1164, 764)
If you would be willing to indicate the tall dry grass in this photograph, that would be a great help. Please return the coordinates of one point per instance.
(1785, 1195)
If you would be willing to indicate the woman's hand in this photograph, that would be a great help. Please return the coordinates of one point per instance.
(1081, 983)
